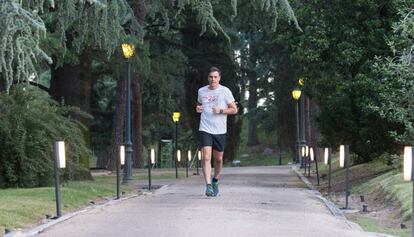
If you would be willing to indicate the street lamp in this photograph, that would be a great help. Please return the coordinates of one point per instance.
(296, 95)
(409, 176)
(344, 163)
(176, 118)
(128, 51)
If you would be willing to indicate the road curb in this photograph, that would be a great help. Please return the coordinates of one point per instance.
(38, 229)
(335, 211)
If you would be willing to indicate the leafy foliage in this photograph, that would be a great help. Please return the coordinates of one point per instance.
(30, 123)
(20, 34)
(394, 78)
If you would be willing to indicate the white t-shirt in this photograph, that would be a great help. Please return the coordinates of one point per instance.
(210, 122)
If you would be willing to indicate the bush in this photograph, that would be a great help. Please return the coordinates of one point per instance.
(30, 122)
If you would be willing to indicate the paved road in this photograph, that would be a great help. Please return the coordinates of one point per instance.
(254, 201)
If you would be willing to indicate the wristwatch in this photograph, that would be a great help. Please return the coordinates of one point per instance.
(221, 111)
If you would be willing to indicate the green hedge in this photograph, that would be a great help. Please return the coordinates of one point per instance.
(30, 122)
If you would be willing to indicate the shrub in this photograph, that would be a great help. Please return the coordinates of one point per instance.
(30, 122)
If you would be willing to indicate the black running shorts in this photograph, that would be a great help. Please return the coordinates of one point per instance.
(217, 141)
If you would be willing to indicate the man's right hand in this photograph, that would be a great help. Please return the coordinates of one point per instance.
(199, 108)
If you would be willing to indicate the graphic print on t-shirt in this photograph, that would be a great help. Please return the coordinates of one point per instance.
(209, 101)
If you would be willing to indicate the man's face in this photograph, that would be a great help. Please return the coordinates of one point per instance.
(213, 79)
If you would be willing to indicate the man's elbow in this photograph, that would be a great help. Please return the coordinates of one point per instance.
(235, 110)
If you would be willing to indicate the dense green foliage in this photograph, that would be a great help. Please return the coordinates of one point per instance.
(30, 123)
(355, 56)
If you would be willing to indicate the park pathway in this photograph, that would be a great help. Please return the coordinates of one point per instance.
(254, 201)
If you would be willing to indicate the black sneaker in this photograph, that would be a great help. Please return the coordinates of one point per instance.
(215, 188)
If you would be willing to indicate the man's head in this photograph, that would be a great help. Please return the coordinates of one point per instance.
(214, 77)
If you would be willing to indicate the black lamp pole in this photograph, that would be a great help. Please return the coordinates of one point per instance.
(302, 124)
(128, 52)
(128, 142)
(296, 94)
(176, 148)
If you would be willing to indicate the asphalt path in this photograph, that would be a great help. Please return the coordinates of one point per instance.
(254, 201)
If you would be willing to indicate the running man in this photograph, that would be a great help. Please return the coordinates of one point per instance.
(214, 102)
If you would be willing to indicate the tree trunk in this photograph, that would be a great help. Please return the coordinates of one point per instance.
(252, 138)
(138, 156)
(72, 85)
(315, 133)
(140, 12)
(118, 125)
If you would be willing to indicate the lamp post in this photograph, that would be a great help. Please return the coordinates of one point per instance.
(176, 118)
(296, 95)
(409, 176)
(128, 51)
(302, 121)
(344, 163)
(60, 163)
(119, 162)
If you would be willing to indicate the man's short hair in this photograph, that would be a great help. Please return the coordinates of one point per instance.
(214, 69)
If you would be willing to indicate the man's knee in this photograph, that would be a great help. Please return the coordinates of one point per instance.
(218, 156)
(207, 158)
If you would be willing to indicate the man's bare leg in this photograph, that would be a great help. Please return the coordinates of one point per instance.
(218, 163)
(206, 151)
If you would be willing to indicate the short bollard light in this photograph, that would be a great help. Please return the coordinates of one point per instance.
(408, 163)
(119, 162)
(60, 163)
(303, 153)
(178, 155)
(198, 161)
(152, 156)
(307, 154)
(328, 159)
(409, 176)
(188, 161)
(313, 158)
(344, 163)
(151, 161)
(312, 154)
(122, 154)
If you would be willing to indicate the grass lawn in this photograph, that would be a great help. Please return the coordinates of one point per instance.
(260, 159)
(388, 195)
(22, 208)
(371, 225)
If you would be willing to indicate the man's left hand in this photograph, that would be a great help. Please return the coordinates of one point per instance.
(216, 110)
